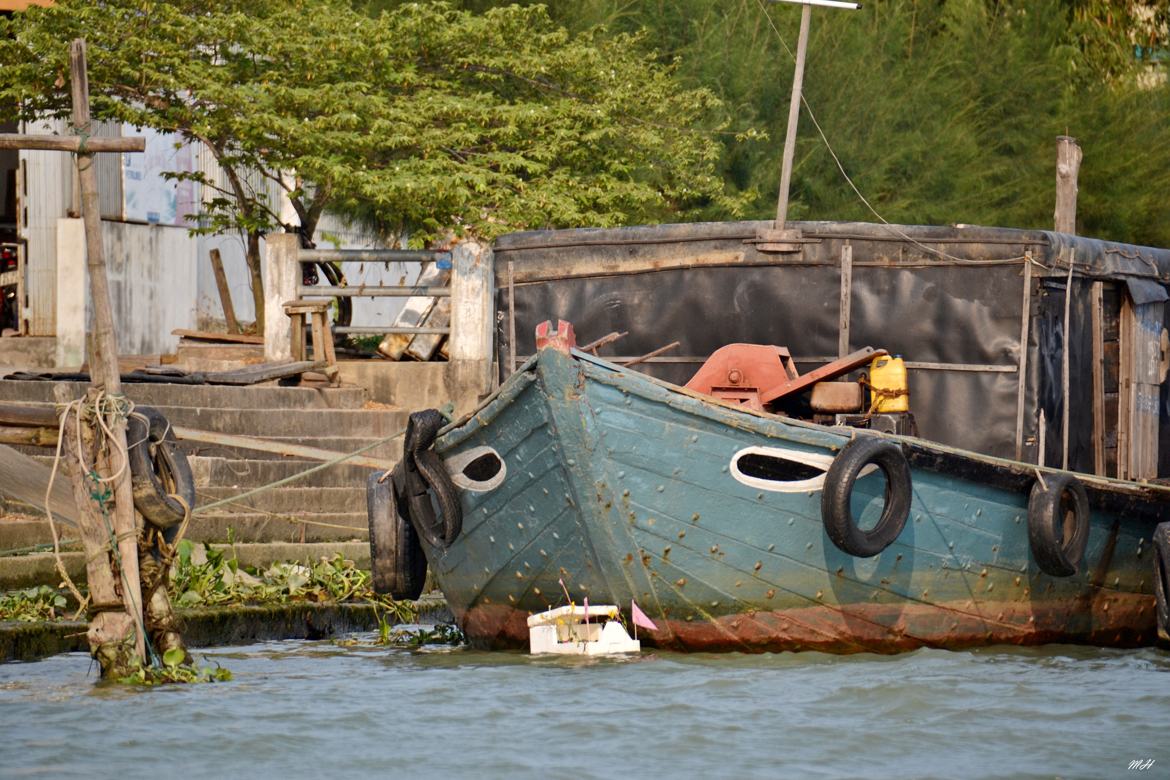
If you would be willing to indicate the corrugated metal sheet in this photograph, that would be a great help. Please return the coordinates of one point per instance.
(109, 174)
(46, 191)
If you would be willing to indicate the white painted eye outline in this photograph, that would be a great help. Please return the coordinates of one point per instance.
(813, 459)
(456, 465)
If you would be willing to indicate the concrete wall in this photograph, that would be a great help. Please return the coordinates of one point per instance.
(153, 279)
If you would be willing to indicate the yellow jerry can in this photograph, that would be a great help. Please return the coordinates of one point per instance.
(887, 379)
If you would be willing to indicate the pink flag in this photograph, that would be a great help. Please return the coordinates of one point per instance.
(640, 618)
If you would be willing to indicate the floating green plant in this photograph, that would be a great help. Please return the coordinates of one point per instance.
(174, 669)
(33, 604)
(218, 579)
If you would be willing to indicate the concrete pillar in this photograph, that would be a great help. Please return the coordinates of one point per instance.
(72, 286)
(470, 346)
(282, 273)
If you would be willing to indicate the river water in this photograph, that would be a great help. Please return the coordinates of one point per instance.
(317, 709)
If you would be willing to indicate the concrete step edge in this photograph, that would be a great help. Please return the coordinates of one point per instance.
(39, 568)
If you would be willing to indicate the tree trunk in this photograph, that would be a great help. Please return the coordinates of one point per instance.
(255, 261)
(161, 621)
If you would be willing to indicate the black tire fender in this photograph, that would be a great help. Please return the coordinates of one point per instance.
(421, 475)
(1058, 524)
(836, 513)
(1162, 578)
(397, 562)
(159, 471)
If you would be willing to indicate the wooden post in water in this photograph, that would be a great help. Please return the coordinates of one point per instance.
(96, 453)
(106, 377)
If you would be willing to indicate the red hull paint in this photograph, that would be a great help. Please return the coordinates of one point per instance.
(1114, 619)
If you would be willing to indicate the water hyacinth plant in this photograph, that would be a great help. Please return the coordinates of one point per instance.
(33, 604)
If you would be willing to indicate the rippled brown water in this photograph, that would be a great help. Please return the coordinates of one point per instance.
(313, 709)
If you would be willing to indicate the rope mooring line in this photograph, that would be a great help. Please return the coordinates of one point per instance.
(293, 478)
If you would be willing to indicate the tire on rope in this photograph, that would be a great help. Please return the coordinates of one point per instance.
(159, 471)
(419, 476)
(836, 512)
(1162, 578)
(397, 562)
(1058, 524)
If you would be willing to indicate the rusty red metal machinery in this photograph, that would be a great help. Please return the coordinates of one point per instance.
(758, 375)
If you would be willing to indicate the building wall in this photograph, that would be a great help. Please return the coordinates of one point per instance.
(160, 276)
(152, 275)
(46, 191)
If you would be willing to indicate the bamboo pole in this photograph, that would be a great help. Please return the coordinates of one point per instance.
(71, 143)
(793, 118)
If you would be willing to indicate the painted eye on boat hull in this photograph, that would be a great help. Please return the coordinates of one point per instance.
(780, 470)
(478, 469)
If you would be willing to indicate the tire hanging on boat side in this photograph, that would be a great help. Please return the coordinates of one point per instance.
(1162, 578)
(397, 562)
(836, 512)
(160, 474)
(1058, 524)
(419, 475)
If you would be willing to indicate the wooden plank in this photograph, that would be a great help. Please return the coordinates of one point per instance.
(413, 312)
(1098, 376)
(846, 296)
(228, 338)
(424, 345)
(1125, 389)
(263, 372)
(1147, 351)
(24, 478)
(27, 415)
(28, 436)
(1065, 360)
(1111, 351)
(511, 317)
(72, 143)
(225, 294)
(1022, 362)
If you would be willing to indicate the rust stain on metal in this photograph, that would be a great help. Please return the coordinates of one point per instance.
(881, 628)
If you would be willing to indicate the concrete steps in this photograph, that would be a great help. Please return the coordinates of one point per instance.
(28, 570)
(269, 422)
(251, 527)
(292, 499)
(313, 516)
(213, 471)
(391, 450)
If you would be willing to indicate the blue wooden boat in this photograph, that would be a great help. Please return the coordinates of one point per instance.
(713, 518)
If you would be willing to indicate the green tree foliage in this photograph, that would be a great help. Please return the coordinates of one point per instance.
(424, 118)
(941, 111)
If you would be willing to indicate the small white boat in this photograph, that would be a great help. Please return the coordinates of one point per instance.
(574, 630)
